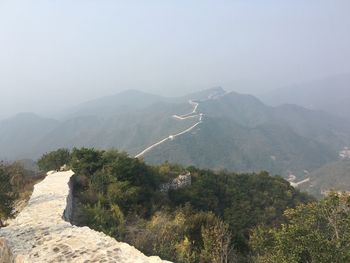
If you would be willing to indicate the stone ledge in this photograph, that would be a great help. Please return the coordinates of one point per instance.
(40, 233)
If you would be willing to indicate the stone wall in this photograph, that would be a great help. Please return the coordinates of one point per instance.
(40, 233)
(180, 181)
(68, 212)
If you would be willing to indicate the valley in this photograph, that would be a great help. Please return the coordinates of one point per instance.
(175, 131)
(231, 131)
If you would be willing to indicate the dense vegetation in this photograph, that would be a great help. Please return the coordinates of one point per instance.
(54, 160)
(315, 232)
(7, 196)
(220, 217)
(16, 184)
(209, 221)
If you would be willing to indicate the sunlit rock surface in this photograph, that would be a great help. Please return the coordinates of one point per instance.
(41, 234)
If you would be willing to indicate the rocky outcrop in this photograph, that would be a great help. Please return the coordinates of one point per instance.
(181, 181)
(41, 234)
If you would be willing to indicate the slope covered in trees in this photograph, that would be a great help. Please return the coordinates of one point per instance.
(207, 221)
(240, 133)
(219, 217)
(315, 232)
(237, 132)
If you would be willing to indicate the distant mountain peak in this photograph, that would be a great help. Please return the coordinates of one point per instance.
(26, 116)
(217, 89)
(217, 92)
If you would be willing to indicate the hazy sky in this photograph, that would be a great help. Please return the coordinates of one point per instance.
(64, 51)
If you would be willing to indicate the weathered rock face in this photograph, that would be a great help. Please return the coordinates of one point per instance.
(41, 234)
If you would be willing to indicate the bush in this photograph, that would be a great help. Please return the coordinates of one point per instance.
(54, 160)
(315, 232)
(7, 194)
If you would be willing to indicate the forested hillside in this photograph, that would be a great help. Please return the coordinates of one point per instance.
(207, 221)
(209, 129)
(314, 232)
(217, 217)
(250, 136)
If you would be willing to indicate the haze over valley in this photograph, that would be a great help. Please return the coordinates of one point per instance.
(218, 130)
(174, 131)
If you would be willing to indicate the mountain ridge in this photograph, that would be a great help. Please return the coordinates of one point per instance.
(330, 94)
(243, 133)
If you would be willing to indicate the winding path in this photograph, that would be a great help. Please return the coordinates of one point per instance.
(192, 114)
(189, 115)
(296, 184)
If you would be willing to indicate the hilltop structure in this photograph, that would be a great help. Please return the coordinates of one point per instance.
(180, 181)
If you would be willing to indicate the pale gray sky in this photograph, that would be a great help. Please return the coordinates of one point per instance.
(70, 51)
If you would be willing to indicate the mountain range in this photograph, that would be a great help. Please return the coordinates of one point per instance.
(209, 129)
(241, 133)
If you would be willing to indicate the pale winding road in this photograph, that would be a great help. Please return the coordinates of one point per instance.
(296, 184)
(192, 114)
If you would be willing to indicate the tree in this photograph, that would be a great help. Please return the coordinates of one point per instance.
(315, 232)
(110, 221)
(217, 247)
(54, 160)
(243, 201)
(86, 161)
(7, 194)
(121, 196)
